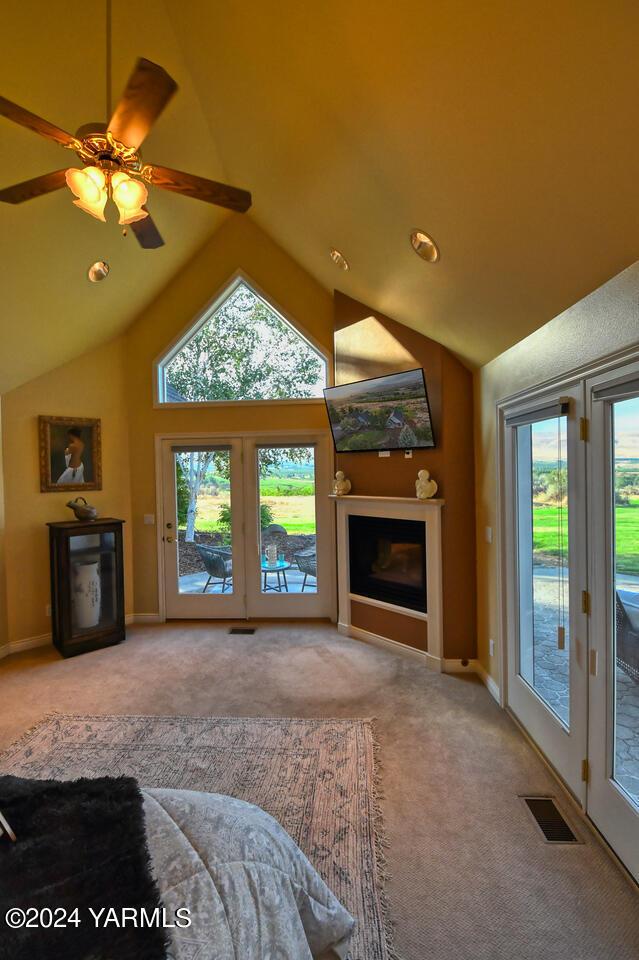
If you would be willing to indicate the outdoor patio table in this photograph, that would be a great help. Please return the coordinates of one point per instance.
(279, 567)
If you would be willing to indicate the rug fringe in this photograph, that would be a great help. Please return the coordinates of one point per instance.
(382, 843)
(26, 734)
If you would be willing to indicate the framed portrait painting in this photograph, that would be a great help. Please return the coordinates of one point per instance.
(70, 454)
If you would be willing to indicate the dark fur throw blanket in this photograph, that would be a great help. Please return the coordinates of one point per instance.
(79, 860)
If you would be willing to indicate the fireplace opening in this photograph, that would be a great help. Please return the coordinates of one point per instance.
(388, 560)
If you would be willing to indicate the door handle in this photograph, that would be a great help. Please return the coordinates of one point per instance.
(170, 539)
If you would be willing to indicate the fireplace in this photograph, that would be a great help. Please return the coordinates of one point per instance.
(387, 559)
(389, 572)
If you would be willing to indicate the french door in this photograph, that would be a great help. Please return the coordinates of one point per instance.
(246, 527)
(546, 574)
(613, 799)
(571, 472)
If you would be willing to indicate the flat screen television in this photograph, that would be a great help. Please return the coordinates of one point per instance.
(383, 413)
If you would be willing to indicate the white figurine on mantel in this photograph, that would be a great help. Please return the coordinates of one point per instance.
(341, 484)
(424, 486)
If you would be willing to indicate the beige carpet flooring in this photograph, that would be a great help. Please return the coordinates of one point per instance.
(470, 876)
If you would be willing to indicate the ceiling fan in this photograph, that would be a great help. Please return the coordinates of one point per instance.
(113, 166)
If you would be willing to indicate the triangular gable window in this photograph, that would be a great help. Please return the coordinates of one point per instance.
(242, 349)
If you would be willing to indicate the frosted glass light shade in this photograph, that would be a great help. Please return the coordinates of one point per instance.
(129, 196)
(89, 186)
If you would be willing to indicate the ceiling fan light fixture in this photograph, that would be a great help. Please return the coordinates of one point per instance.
(89, 186)
(129, 197)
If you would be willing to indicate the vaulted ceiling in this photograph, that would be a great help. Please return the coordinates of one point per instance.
(507, 131)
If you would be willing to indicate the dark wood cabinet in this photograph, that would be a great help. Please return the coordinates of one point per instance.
(87, 584)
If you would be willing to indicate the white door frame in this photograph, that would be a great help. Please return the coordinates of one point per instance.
(565, 747)
(609, 808)
(261, 437)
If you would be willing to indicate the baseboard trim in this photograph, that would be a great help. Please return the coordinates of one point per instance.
(476, 667)
(29, 643)
(440, 665)
(378, 641)
(488, 681)
(458, 666)
(45, 639)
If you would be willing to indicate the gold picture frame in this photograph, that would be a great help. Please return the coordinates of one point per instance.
(70, 454)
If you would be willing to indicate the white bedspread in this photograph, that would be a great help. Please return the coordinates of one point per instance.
(251, 892)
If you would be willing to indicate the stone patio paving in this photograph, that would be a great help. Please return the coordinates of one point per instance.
(194, 583)
(550, 677)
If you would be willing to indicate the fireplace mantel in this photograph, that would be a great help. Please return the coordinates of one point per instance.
(377, 621)
(354, 497)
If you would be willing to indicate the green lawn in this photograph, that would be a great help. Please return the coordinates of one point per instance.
(295, 513)
(286, 487)
(546, 534)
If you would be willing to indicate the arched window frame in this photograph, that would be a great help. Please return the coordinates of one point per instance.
(192, 328)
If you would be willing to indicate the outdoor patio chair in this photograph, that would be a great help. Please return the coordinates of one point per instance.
(307, 563)
(626, 614)
(218, 564)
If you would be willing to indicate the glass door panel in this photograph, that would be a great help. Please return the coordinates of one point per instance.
(625, 601)
(288, 532)
(543, 565)
(204, 547)
(203, 530)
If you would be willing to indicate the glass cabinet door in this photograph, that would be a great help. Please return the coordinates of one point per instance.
(93, 565)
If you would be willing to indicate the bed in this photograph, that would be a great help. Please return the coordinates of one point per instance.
(250, 890)
(237, 882)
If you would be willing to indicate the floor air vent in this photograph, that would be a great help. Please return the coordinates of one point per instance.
(553, 827)
(242, 630)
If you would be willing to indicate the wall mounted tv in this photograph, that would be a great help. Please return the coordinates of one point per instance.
(383, 413)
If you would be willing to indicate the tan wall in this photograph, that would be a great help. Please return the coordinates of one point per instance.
(91, 386)
(238, 244)
(368, 344)
(603, 323)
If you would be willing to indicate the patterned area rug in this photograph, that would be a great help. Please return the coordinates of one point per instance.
(317, 777)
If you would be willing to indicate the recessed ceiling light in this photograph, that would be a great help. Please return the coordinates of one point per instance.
(98, 271)
(339, 259)
(424, 246)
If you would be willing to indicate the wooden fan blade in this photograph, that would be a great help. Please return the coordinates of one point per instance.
(147, 92)
(147, 234)
(32, 122)
(201, 189)
(29, 189)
